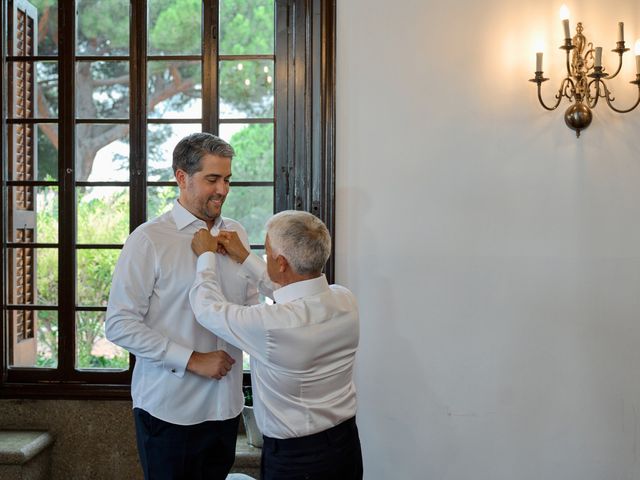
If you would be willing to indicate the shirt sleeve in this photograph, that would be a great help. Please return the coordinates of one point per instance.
(254, 269)
(131, 289)
(241, 326)
(252, 297)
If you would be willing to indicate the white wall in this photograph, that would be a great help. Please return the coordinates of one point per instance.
(495, 256)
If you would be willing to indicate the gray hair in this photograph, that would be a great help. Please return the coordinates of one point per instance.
(301, 238)
(190, 150)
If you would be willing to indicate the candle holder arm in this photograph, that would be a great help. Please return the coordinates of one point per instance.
(610, 99)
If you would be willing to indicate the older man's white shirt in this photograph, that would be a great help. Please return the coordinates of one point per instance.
(302, 348)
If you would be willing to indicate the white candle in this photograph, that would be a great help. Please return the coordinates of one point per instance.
(564, 16)
(539, 62)
(621, 31)
(598, 56)
(567, 32)
(637, 49)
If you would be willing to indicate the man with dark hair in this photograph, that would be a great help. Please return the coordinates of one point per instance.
(302, 348)
(186, 390)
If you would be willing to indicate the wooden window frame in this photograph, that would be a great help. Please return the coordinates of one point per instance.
(304, 164)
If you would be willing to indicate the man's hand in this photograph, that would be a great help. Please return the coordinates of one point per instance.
(211, 365)
(230, 242)
(203, 241)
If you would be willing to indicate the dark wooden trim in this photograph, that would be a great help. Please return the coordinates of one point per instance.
(305, 106)
(4, 319)
(210, 32)
(30, 121)
(138, 115)
(66, 196)
(55, 390)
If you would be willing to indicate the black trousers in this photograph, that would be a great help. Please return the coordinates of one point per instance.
(185, 452)
(334, 454)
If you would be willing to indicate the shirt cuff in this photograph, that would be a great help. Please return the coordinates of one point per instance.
(205, 261)
(252, 268)
(177, 358)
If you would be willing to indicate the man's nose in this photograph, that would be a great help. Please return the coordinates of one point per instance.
(221, 187)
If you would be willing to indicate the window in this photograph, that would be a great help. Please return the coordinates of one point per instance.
(91, 113)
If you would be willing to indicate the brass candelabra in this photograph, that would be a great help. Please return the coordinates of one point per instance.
(586, 81)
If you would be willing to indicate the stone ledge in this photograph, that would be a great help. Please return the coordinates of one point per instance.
(17, 447)
(246, 455)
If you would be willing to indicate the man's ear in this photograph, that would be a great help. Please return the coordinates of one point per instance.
(283, 264)
(181, 178)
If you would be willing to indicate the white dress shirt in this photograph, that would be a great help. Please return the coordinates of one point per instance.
(150, 316)
(302, 348)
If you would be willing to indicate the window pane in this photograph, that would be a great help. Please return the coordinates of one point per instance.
(44, 26)
(47, 214)
(34, 214)
(246, 89)
(33, 275)
(34, 338)
(111, 162)
(47, 160)
(246, 27)
(174, 27)
(103, 214)
(253, 145)
(252, 207)
(95, 269)
(160, 200)
(102, 90)
(46, 276)
(175, 89)
(23, 165)
(24, 141)
(103, 27)
(93, 350)
(161, 140)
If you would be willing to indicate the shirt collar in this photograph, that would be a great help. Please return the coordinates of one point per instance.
(304, 288)
(184, 218)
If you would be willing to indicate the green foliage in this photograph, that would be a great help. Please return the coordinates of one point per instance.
(246, 27)
(248, 395)
(103, 26)
(177, 27)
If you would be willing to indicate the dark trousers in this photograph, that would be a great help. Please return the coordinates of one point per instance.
(185, 452)
(330, 455)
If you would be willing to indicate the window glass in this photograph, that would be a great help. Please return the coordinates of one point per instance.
(103, 214)
(246, 27)
(111, 161)
(174, 27)
(29, 350)
(93, 350)
(102, 90)
(103, 27)
(95, 269)
(161, 140)
(160, 200)
(246, 89)
(253, 144)
(174, 89)
(252, 207)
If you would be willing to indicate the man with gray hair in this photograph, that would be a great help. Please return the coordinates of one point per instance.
(187, 398)
(302, 347)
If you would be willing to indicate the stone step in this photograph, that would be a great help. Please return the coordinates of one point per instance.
(25, 455)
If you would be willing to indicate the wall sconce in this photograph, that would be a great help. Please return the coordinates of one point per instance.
(586, 80)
